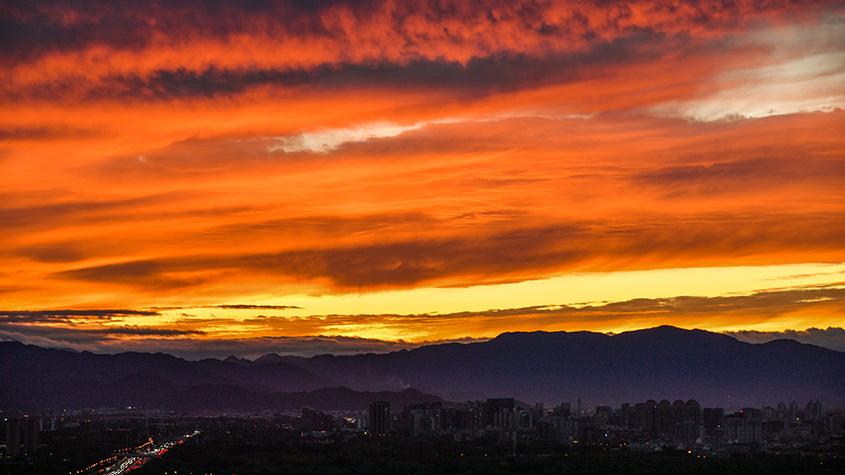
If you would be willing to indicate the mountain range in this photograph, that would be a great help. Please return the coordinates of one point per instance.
(552, 367)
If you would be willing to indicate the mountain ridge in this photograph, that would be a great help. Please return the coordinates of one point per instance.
(543, 366)
(639, 364)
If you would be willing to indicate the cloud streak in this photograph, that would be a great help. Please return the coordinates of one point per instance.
(531, 251)
(222, 335)
(63, 315)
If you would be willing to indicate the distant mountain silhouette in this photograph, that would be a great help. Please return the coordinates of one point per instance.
(22, 362)
(662, 362)
(36, 378)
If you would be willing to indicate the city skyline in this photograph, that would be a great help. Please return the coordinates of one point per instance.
(382, 174)
(804, 436)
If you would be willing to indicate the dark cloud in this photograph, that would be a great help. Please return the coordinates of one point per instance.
(390, 44)
(327, 225)
(477, 78)
(49, 215)
(35, 28)
(686, 309)
(40, 316)
(236, 306)
(722, 176)
(778, 301)
(124, 272)
(58, 251)
(400, 264)
(79, 313)
(498, 256)
(32, 29)
(54, 336)
(40, 133)
(144, 331)
(256, 307)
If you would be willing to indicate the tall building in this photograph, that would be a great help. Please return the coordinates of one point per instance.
(500, 412)
(625, 415)
(692, 412)
(22, 435)
(425, 418)
(31, 434)
(13, 437)
(663, 417)
(814, 410)
(564, 410)
(742, 429)
(712, 417)
(379, 417)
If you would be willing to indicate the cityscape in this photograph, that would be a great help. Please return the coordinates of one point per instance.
(809, 436)
(645, 426)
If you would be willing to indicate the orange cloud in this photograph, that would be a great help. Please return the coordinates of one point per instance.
(182, 154)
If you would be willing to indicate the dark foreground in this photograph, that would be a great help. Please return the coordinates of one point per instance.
(257, 446)
(435, 457)
(240, 448)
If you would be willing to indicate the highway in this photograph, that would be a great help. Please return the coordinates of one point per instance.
(131, 458)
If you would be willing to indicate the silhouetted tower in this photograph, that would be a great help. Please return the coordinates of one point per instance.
(379, 417)
(31, 434)
(793, 410)
(13, 437)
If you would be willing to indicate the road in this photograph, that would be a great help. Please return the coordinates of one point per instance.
(126, 460)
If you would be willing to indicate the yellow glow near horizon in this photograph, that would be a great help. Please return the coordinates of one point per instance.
(575, 290)
(571, 289)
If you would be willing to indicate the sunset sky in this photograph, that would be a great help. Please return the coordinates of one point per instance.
(216, 177)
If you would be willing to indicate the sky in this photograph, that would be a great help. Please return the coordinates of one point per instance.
(208, 178)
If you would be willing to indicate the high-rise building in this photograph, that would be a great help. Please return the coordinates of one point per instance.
(814, 410)
(13, 437)
(380, 418)
(743, 429)
(22, 435)
(663, 417)
(712, 417)
(424, 418)
(31, 434)
(692, 412)
(499, 411)
(625, 415)
(564, 410)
